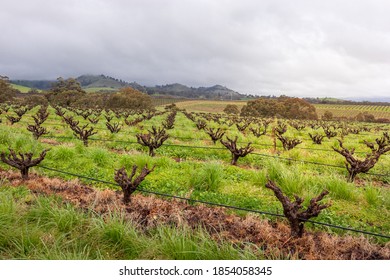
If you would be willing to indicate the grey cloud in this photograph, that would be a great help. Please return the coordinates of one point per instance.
(302, 48)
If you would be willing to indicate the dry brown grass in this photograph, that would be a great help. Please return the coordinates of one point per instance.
(150, 211)
(209, 106)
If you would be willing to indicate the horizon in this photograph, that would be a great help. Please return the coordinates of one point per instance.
(368, 99)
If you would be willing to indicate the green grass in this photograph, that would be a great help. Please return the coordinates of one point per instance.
(46, 228)
(208, 178)
(97, 89)
(207, 174)
(22, 89)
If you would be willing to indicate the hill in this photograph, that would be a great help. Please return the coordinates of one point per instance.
(103, 83)
(178, 90)
(22, 89)
(37, 84)
(380, 101)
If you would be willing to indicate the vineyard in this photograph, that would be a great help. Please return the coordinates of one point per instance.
(227, 181)
(338, 111)
(209, 106)
(352, 110)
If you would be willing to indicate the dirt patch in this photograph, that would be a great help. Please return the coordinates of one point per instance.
(150, 211)
(50, 141)
(363, 183)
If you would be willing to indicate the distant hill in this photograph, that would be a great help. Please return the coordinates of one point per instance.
(22, 89)
(372, 99)
(178, 90)
(103, 83)
(325, 100)
(95, 82)
(37, 84)
(380, 101)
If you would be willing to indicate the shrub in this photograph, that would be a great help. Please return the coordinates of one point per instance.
(327, 116)
(231, 109)
(34, 100)
(65, 92)
(130, 98)
(286, 107)
(7, 93)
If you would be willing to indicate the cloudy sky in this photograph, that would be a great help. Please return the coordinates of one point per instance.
(300, 48)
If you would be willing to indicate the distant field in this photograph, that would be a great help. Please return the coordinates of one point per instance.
(214, 106)
(353, 110)
(211, 106)
(22, 89)
(97, 89)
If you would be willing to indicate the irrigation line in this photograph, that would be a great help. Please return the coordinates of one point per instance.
(216, 204)
(221, 148)
(208, 139)
(316, 163)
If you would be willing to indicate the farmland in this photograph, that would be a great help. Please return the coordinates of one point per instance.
(189, 165)
(22, 89)
(209, 106)
(338, 110)
(353, 110)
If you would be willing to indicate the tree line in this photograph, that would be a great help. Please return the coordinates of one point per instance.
(68, 92)
(281, 107)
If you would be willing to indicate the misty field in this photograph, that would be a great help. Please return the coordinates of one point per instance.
(71, 206)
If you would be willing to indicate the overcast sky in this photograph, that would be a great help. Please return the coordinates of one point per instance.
(300, 48)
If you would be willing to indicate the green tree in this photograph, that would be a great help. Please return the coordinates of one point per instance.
(231, 109)
(34, 99)
(297, 108)
(262, 107)
(365, 117)
(92, 100)
(327, 116)
(7, 93)
(286, 107)
(65, 92)
(130, 98)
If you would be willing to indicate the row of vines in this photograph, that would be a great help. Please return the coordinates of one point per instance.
(154, 130)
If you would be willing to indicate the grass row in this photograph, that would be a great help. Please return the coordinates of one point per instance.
(214, 180)
(206, 174)
(46, 228)
(185, 133)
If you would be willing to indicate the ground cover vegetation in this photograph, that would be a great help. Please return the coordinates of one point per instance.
(219, 158)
